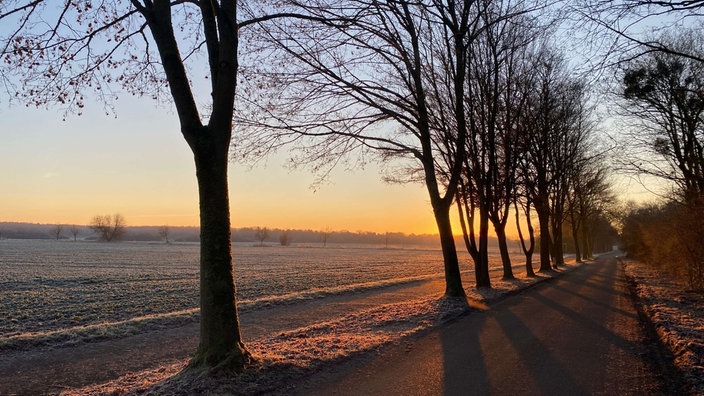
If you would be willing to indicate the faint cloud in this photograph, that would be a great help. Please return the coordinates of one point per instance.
(49, 175)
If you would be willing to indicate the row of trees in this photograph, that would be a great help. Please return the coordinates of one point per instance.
(466, 97)
(108, 228)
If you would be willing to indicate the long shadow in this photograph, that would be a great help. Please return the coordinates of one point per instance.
(549, 340)
(463, 360)
(585, 322)
(602, 279)
(546, 371)
(595, 302)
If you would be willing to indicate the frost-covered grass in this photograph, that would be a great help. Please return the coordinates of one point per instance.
(55, 292)
(678, 317)
(286, 357)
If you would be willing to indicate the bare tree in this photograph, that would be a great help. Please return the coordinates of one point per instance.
(57, 230)
(261, 234)
(496, 100)
(109, 228)
(360, 83)
(285, 238)
(56, 52)
(627, 26)
(164, 233)
(325, 236)
(74, 229)
(589, 197)
(663, 97)
(557, 118)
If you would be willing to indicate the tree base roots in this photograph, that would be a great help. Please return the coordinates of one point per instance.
(212, 362)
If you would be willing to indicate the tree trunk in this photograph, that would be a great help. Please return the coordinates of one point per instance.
(527, 250)
(529, 265)
(587, 248)
(558, 250)
(545, 242)
(481, 266)
(575, 239)
(500, 230)
(221, 346)
(453, 279)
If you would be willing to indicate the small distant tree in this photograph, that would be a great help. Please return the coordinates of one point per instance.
(164, 233)
(285, 238)
(324, 236)
(109, 228)
(57, 231)
(74, 231)
(261, 234)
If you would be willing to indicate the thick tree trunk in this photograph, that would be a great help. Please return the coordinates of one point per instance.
(587, 248)
(575, 239)
(481, 267)
(453, 279)
(220, 345)
(558, 249)
(527, 250)
(500, 230)
(545, 242)
(529, 265)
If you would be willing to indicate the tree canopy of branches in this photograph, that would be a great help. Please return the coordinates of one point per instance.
(557, 117)
(589, 201)
(59, 52)
(367, 80)
(109, 228)
(164, 232)
(496, 97)
(636, 27)
(261, 234)
(57, 230)
(663, 94)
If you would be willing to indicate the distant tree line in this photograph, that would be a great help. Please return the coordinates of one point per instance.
(241, 235)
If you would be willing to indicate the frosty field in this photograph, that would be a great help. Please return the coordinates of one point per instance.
(55, 286)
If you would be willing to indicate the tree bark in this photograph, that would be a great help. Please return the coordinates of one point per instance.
(453, 279)
(558, 249)
(575, 239)
(221, 347)
(545, 242)
(588, 251)
(482, 264)
(527, 250)
(500, 230)
(221, 344)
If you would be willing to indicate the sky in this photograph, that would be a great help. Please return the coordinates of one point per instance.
(138, 164)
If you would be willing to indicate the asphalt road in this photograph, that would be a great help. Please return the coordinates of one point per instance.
(579, 334)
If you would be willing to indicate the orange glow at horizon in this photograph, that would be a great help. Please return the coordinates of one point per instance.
(139, 165)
